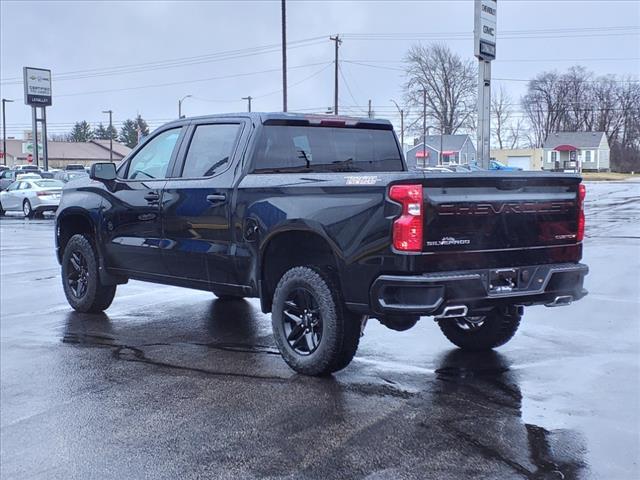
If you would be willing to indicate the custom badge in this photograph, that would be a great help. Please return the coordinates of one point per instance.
(362, 179)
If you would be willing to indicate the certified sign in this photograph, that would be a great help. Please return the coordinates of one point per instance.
(37, 87)
(486, 14)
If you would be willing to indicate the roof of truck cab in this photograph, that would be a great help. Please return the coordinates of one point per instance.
(263, 117)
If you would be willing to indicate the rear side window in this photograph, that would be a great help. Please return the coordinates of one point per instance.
(210, 150)
(286, 148)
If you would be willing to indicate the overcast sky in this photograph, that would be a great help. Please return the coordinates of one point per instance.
(147, 36)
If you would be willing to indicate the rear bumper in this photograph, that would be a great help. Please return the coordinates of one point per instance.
(430, 294)
(42, 205)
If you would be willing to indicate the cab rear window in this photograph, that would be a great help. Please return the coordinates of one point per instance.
(287, 148)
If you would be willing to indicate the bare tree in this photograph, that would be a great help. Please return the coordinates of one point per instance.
(578, 97)
(449, 82)
(545, 105)
(516, 132)
(501, 112)
(628, 101)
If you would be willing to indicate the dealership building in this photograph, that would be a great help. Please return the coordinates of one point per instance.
(61, 154)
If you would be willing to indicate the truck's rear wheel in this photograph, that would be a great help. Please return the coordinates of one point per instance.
(316, 335)
(481, 332)
(80, 278)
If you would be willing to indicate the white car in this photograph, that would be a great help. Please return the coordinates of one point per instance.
(27, 176)
(31, 196)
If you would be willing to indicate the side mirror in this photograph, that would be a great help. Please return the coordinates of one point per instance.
(104, 171)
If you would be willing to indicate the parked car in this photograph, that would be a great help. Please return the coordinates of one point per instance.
(3, 168)
(74, 166)
(466, 167)
(67, 175)
(495, 165)
(440, 169)
(318, 217)
(26, 167)
(27, 175)
(31, 196)
(7, 177)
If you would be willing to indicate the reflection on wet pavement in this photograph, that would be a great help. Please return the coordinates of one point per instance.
(172, 383)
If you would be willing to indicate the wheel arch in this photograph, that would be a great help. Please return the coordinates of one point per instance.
(290, 247)
(71, 222)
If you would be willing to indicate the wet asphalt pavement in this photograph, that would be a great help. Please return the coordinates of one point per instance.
(172, 383)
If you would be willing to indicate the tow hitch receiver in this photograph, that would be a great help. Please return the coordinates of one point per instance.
(503, 280)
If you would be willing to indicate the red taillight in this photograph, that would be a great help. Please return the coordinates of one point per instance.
(582, 192)
(407, 229)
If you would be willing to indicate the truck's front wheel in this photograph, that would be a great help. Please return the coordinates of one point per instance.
(80, 278)
(316, 335)
(481, 332)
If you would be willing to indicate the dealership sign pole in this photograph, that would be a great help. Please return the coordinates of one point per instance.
(486, 12)
(37, 93)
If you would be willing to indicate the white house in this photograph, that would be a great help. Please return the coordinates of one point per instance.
(579, 151)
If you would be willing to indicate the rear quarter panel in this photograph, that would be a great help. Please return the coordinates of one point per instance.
(348, 210)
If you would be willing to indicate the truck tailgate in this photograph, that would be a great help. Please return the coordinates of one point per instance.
(501, 211)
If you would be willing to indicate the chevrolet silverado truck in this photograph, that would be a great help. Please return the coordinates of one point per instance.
(318, 217)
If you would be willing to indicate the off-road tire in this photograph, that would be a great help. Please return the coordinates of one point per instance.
(340, 328)
(27, 209)
(97, 297)
(498, 328)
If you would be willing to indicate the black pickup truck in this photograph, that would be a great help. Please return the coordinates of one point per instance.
(318, 217)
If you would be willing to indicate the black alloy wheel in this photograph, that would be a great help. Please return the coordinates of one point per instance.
(313, 330)
(81, 281)
(77, 274)
(302, 321)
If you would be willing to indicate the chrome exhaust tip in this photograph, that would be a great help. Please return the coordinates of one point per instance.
(453, 311)
(560, 301)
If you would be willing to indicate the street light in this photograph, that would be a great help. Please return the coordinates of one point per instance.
(110, 112)
(180, 105)
(4, 131)
(401, 123)
(248, 99)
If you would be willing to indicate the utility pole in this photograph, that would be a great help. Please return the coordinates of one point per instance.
(424, 126)
(110, 112)
(180, 105)
(335, 76)
(370, 112)
(401, 123)
(4, 130)
(441, 137)
(284, 57)
(248, 99)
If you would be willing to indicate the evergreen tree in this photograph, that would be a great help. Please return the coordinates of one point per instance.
(111, 132)
(133, 130)
(81, 132)
(100, 133)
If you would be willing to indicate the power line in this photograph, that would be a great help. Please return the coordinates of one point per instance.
(327, 65)
(516, 60)
(182, 82)
(381, 67)
(164, 64)
(346, 84)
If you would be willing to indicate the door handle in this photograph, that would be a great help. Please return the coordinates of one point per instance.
(216, 197)
(152, 197)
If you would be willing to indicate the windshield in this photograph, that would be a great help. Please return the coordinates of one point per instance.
(288, 148)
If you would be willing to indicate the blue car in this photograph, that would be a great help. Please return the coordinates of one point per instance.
(495, 165)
